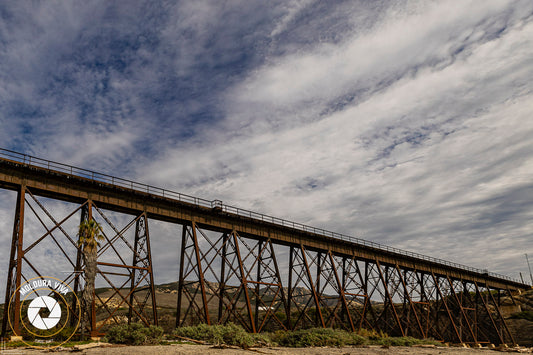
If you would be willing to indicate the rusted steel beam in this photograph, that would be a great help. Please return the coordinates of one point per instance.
(19, 226)
(317, 288)
(123, 266)
(258, 282)
(150, 270)
(222, 281)
(289, 288)
(78, 268)
(133, 263)
(15, 265)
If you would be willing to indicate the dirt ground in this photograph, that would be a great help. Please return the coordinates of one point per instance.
(188, 349)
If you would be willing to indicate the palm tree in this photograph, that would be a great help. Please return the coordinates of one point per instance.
(89, 236)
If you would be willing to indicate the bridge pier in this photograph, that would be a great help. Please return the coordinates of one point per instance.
(59, 239)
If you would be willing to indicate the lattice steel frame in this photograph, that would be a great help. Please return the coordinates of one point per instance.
(227, 275)
(221, 279)
(138, 273)
(238, 268)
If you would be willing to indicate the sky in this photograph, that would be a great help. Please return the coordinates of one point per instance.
(407, 123)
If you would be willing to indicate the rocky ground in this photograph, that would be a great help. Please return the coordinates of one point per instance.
(522, 329)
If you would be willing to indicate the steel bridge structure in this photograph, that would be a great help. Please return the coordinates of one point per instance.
(258, 271)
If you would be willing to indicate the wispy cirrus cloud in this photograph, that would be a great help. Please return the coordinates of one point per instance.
(391, 132)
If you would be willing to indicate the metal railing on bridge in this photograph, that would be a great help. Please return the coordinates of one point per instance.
(113, 180)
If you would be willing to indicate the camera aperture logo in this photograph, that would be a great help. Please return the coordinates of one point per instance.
(49, 311)
(35, 308)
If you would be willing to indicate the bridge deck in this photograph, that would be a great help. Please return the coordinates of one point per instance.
(67, 183)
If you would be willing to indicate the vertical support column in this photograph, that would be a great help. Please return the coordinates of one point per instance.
(222, 286)
(180, 279)
(386, 288)
(289, 288)
(79, 267)
(437, 308)
(368, 303)
(318, 293)
(405, 311)
(134, 262)
(20, 253)
(423, 297)
(343, 285)
(258, 279)
(150, 269)
(15, 264)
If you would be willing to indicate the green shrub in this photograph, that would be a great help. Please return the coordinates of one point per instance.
(316, 337)
(134, 334)
(232, 334)
(229, 334)
(403, 341)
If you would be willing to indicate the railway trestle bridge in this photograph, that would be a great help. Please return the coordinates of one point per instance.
(261, 272)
